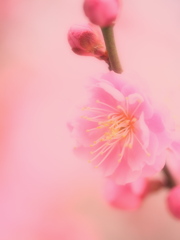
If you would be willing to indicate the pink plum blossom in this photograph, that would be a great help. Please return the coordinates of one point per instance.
(173, 201)
(101, 12)
(120, 131)
(87, 40)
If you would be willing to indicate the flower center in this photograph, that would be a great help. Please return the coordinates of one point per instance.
(118, 126)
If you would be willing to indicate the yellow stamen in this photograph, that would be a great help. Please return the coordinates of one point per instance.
(118, 126)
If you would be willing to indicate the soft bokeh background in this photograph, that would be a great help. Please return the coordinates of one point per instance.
(45, 192)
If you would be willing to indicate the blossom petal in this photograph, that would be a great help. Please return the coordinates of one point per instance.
(112, 91)
(142, 131)
(150, 170)
(139, 157)
(155, 123)
(124, 174)
(135, 98)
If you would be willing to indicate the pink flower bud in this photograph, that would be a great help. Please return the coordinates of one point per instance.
(173, 201)
(87, 40)
(101, 12)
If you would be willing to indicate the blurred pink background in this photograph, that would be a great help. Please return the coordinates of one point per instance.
(45, 191)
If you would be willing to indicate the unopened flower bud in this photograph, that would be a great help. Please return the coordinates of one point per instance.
(87, 40)
(173, 201)
(101, 12)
